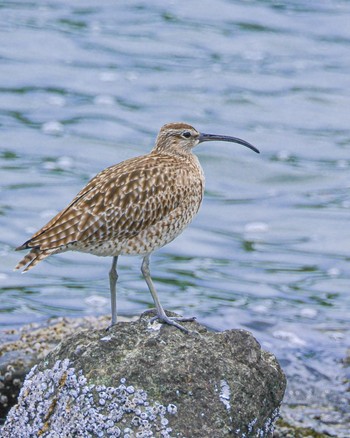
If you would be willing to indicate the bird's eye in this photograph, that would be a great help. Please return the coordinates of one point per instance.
(186, 134)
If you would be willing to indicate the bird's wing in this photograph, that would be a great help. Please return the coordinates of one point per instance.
(118, 203)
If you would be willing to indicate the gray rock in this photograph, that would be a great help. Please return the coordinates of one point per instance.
(142, 380)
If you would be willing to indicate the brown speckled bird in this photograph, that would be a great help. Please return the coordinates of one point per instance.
(133, 207)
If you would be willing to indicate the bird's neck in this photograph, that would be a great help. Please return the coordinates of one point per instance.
(183, 159)
(173, 150)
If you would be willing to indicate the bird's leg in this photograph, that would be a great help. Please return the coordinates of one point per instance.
(160, 311)
(113, 277)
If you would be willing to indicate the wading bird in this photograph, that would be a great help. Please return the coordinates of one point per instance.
(134, 207)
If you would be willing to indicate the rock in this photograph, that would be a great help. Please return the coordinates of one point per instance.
(21, 349)
(285, 430)
(141, 380)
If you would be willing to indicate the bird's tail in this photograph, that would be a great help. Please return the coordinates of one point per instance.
(32, 258)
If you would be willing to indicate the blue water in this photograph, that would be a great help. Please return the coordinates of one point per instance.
(84, 85)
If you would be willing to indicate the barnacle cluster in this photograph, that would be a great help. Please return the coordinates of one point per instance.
(60, 402)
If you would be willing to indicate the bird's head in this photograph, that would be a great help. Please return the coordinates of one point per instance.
(181, 138)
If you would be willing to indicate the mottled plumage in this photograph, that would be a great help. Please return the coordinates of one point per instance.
(133, 207)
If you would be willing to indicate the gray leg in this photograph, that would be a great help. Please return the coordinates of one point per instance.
(160, 311)
(113, 277)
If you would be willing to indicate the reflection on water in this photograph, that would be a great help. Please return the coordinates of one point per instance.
(85, 86)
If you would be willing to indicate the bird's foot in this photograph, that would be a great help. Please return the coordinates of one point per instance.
(110, 326)
(153, 315)
(173, 320)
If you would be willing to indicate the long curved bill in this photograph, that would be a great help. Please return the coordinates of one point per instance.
(214, 137)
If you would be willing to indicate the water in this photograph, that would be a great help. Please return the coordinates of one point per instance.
(87, 84)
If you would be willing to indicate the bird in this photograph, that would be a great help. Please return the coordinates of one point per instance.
(132, 208)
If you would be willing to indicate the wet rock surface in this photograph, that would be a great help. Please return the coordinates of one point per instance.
(141, 379)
